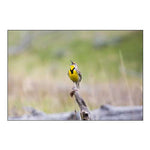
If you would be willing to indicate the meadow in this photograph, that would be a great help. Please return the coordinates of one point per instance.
(111, 63)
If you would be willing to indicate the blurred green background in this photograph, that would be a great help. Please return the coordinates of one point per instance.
(111, 63)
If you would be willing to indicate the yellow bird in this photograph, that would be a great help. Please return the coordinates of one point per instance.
(74, 74)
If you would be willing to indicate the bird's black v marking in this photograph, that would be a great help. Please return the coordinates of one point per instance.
(72, 70)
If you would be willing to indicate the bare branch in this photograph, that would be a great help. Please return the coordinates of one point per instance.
(84, 111)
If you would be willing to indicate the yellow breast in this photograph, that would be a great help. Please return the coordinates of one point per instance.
(74, 76)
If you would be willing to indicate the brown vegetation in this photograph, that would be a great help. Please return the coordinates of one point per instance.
(50, 96)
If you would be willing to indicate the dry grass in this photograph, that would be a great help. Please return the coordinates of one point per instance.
(52, 96)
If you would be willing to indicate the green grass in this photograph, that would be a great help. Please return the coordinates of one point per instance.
(45, 51)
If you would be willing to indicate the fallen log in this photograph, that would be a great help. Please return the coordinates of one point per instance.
(112, 113)
(105, 112)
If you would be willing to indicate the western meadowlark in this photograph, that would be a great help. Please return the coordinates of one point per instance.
(74, 74)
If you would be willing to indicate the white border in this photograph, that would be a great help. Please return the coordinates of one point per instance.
(67, 14)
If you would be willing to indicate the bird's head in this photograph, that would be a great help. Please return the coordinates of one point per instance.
(73, 65)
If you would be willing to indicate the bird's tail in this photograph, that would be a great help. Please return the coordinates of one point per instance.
(77, 85)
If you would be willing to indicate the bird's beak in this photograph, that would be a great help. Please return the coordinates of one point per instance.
(72, 62)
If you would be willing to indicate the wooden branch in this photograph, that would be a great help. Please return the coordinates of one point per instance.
(105, 112)
(84, 111)
(109, 112)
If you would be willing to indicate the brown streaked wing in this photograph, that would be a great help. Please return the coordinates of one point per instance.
(80, 75)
